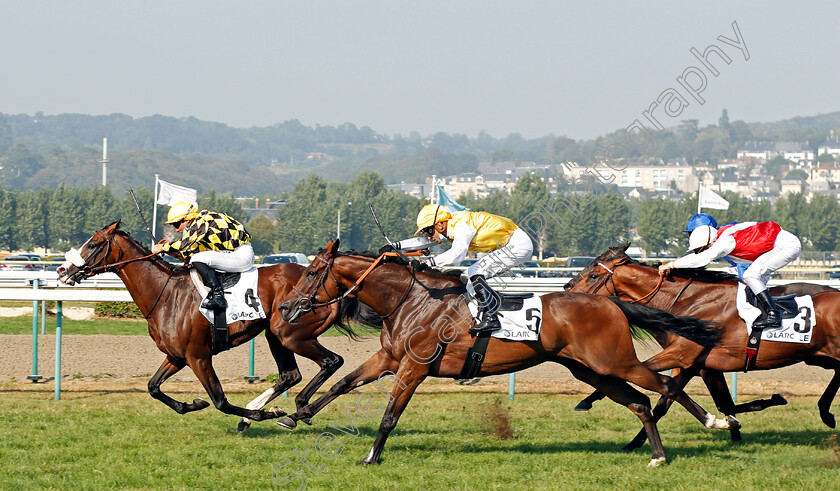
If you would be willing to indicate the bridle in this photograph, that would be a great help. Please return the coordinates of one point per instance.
(645, 299)
(309, 303)
(115, 267)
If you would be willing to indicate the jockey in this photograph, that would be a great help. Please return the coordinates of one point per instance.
(764, 246)
(210, 241)
(507, 244)
(700, 219)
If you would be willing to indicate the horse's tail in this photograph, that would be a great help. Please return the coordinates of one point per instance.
(654, 321)
(352, 310)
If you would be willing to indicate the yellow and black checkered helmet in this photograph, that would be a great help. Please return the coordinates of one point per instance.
(182, 210)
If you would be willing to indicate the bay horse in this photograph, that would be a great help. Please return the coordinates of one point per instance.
(710, 295)
(425, 333)
(166, 297)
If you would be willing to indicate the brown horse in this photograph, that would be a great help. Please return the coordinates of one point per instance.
(168, 300)
(425, 334)
(710, 295)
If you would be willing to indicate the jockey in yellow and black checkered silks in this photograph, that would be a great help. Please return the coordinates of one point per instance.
(210, 240)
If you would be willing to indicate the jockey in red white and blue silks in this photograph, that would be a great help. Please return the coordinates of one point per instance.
(765, 246)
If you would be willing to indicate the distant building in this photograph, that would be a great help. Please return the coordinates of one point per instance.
(797, 152)
(414, 189)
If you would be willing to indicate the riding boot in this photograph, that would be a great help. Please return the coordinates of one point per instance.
(216, 298)
(769, 317)
(488, 305)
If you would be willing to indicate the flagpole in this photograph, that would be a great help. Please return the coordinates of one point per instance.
(154, 213)
(699, 197)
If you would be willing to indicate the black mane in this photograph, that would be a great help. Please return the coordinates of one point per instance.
(697, 274)
(403, 261)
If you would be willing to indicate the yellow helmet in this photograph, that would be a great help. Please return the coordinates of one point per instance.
(181, 210)
(430, 215)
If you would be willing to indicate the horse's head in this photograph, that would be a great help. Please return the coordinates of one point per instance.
(94, 255)
(311, 289)
(595, 275)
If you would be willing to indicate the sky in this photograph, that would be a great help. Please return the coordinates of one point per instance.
(536, 68)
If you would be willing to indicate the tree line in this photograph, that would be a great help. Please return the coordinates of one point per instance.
(569, 223)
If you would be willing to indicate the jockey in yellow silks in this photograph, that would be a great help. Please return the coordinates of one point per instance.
(506, 244)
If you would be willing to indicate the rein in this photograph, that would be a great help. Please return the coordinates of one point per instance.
(314, 305)
(647, 297)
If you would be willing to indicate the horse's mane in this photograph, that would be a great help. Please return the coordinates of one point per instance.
(448, 272)
(697, 274)
(175, 268)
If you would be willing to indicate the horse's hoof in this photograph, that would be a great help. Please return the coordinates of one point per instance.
(733, 422)
(365, 462)
(287, 423)
(828, 419)
(583, 406)
(243, 425)
(308, 421)
(277, 412)
(718, 424)
(200, 403)
(779, 400)
(656, 462)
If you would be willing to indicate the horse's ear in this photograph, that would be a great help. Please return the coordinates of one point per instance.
(332, 247)
(114, 226)
(623, 247)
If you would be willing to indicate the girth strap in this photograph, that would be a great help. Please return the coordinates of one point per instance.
(475, 355)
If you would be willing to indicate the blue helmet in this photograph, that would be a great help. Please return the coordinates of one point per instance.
(700, 219)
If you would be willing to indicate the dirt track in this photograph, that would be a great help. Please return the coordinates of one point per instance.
(119, 359)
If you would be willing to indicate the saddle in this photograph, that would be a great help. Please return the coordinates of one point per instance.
(786, 305)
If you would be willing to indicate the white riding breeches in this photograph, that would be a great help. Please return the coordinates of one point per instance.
(786, 248)
(236, 261)
(518, 250)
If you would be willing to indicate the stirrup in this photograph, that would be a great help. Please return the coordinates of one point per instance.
(215, 300)
(485, 326)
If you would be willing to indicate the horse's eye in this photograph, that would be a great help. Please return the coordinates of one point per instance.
(310, 274)
(593, 276)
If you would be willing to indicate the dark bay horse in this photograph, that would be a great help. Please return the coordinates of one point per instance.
(710, 295)
(425, 334)
(168, 300)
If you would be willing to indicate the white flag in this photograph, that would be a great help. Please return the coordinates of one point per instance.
(710, 199)
(170, 193)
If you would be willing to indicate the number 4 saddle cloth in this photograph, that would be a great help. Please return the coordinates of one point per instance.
(240, 292)
(520, 316)
(798, 319)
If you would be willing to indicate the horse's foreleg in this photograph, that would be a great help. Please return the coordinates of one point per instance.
(289, 376)
(168, 368)
(621, 392)
(378, 366)
(408, 377)
(328, 361)
(203, 369)
(825, 400)
(661, 408)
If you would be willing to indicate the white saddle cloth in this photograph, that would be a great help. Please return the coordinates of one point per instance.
(519, 325)
(243, 300)
(798, 329)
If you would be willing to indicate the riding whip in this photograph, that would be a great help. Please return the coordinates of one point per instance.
(131, 191)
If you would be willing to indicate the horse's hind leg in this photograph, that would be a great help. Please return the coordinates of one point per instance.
(168, 368)
(825, 400)
(203, 369)
(586, 403)
(289, 376)
(379, 365)
(621, 392)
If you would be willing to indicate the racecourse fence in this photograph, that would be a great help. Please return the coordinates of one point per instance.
(43, 286)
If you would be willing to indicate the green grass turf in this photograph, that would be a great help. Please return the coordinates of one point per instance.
(125, 439)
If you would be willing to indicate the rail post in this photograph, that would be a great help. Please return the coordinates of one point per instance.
(734, 376)
(511, 385)
(251, 378)
(34, 377)
(58, 350)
